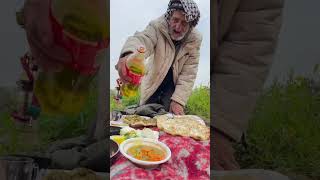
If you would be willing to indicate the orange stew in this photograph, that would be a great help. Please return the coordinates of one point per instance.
(146, 153)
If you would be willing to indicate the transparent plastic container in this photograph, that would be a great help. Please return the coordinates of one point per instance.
(135, 67)
(80, 27)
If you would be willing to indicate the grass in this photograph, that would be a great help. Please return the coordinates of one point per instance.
(8, 130)
(51, 128)
(62, 127)
(198, 103)
(283, 133)
(125, 101)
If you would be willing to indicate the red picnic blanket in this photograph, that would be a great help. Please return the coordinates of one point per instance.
(190, 159)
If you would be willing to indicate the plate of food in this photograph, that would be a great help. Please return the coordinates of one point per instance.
(145, 152)
(128, 132)
(138, 121)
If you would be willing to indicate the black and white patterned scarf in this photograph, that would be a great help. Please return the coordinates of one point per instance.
(190, 8)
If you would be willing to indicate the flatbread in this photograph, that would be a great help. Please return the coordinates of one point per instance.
(139, 121)
(183, 126)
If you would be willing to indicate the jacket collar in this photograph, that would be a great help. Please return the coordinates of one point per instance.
(163, 27)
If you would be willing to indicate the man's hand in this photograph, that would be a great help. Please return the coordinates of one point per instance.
(121, 67)
(223, 153)
(176, 108)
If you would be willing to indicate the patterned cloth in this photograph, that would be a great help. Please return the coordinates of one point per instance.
(190, 8)
(190, 159)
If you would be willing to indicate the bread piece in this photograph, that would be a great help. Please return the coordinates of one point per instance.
(183, 126)
(138, 121)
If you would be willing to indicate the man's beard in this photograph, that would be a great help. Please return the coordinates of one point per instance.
(175, 38)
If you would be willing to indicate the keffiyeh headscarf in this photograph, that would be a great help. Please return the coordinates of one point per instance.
(190, 8)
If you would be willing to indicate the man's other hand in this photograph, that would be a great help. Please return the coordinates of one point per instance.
(176, 108)
(223, 153)
(121, 67)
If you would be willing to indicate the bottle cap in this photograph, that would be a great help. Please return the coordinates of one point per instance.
(141, 49)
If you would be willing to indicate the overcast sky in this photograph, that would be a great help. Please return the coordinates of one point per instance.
(129, 16)
(298, 48)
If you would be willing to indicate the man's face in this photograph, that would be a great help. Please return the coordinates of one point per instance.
(178, 25)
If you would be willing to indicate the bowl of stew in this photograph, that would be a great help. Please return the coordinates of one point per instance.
(145, 153)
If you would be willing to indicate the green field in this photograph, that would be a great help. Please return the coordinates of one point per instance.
(284, 131)
(50, 128)
(198, 103)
